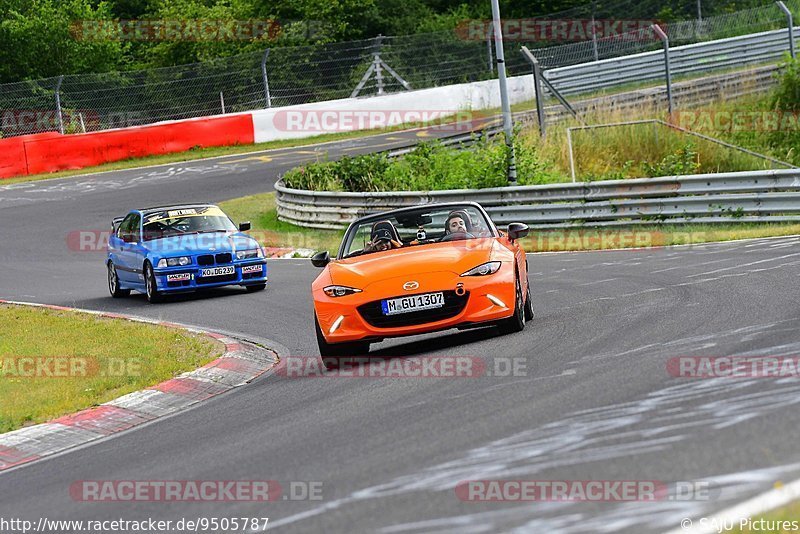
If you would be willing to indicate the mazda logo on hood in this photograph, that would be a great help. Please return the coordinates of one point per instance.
(411, 286)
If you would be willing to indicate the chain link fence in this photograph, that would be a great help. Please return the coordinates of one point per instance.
(298, 75)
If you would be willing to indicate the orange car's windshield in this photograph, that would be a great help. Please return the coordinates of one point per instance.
(415, 228)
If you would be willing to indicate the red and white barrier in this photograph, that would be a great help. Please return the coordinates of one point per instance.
(50, 152)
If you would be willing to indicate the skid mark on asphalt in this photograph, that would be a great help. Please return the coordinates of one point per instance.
(598, 282)
(69, 189)
(567, 518)
(654, 423)
(758, 262)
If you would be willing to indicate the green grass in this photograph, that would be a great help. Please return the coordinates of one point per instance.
(789, 513)
(261, 211)
(104, 359)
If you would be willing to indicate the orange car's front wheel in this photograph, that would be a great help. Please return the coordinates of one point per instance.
(355, 348)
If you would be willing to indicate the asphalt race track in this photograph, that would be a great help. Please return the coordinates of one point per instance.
(595, 400)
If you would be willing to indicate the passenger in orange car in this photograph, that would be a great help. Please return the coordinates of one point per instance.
(384, 236)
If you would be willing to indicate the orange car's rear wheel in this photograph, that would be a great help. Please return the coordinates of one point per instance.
(326, 349)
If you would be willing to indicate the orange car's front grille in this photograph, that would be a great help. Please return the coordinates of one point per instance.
(373, 313)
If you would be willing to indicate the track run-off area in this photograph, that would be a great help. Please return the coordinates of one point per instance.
(593, 397)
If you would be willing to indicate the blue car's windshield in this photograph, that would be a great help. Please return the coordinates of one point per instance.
(186, 221)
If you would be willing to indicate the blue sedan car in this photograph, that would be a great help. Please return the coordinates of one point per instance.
(175, 249)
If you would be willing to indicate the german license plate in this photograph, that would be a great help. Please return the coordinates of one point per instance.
(412, 303)
(218, 271)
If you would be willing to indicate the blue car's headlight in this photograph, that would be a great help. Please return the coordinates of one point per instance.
(174, 262)
(249, 254)
(483, 269)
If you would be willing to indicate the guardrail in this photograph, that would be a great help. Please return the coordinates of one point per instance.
(763, 196)
(734, 52)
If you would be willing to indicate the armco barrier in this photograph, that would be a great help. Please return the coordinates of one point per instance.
(731, 53)
(51, 152)
(770, 195)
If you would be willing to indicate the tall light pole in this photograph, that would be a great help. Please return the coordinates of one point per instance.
(508, 125)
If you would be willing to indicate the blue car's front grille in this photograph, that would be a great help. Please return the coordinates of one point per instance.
(221, 258)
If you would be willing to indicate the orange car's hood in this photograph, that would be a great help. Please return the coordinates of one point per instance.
(455, 257)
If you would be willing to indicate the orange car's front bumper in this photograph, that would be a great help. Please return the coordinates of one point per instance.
(341, 321)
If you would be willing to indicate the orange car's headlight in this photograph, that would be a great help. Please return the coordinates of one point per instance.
(340, 291)
(484, 269)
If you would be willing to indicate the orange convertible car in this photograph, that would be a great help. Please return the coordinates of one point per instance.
(417, 270)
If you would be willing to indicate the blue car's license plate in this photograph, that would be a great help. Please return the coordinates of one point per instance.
(218, 271)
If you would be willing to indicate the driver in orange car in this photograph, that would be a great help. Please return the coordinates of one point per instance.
(457, 223)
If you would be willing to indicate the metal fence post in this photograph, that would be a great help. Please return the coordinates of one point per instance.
(508, 125)
(699, 18)
(489, 39)
(264, 75)
(378, 71)
(790, 20)
(222, 102)
(58, 105)
(537, 87)
(667, 67)
(571, 157)
(594, 33)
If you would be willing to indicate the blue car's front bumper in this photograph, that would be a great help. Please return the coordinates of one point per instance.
(177, 279)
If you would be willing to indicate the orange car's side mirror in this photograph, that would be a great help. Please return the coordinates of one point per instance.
(321, 259)
(517, 231)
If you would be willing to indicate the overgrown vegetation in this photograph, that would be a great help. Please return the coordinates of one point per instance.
(429, 166)
(38, 38)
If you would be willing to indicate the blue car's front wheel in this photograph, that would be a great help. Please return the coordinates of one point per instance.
(151, 289)
(113, 283)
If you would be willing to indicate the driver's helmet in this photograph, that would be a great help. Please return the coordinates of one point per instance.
(453, 225)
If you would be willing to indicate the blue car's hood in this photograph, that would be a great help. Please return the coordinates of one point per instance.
(191, 244)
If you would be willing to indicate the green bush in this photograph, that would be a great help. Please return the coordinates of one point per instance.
(681, 162)
(787, 95)
(430, 166)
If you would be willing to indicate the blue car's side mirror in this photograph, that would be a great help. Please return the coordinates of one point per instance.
(244, 226)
